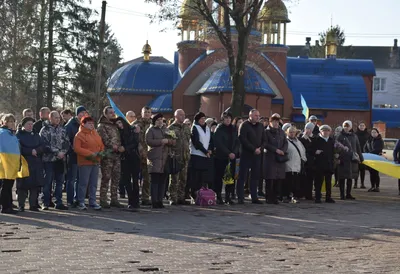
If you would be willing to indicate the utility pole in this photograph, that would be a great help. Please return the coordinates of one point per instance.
(100, 59)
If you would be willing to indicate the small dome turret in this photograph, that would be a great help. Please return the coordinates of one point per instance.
(146, 50)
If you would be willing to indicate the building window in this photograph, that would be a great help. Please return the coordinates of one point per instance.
(379, 84)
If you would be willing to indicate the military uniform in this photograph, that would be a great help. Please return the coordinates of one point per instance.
(182, 152)
(110, 165)
(144, 124)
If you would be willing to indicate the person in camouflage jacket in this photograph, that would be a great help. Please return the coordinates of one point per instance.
(182, 152)
(56, 146)
(111, 163)
(144, 123)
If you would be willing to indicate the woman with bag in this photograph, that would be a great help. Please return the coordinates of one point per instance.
(274, 159)
(349, 159)
(294, 166)
(157, 142)
(201, 147)
(374, 145)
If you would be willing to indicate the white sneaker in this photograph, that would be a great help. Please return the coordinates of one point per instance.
(82, 207)
(95, 207)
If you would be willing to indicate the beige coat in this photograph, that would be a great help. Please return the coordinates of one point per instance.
(157, 153)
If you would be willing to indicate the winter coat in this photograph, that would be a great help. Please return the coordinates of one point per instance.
(396, 152)
(295, 159)
(363, 137)
(324, 162)
(251, 136)
(226, 141)
(130, 141)
(181, 149)
(275, 139)
(38, 125)
(374, 145)
(30, 141)
(316, 130)
(144, 125)
(72, 128)
(109, 134)
(347, 168)
(157, 152)
(308, 144)
(55, 140)
(86, 143)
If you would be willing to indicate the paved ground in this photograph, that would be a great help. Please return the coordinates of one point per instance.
(347, 237)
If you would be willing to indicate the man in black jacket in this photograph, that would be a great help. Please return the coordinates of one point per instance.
(226, 145)
(44, 116)
(252, 139)
(313, 119)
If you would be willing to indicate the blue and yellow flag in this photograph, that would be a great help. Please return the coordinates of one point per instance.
(382, 165)
(12, 164)
(305, 111)
(116, 109)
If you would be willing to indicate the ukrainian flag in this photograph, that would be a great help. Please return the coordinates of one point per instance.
(305, 111)
(12, 164)
(116, 109)
(382, 165)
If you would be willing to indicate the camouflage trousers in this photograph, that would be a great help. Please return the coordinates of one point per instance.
(146, 182)
(178, 184)
(110, 169)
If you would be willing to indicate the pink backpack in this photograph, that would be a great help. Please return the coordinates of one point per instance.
(206, 197)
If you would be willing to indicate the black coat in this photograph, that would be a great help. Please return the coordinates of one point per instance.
(72, 128)
(324, 162)
(130, 141)
(37, 126)
(276, 139)
(31, 141)
(251, 136)
(363, 137)
(374, 145)
(310, 152)
(316, 130)
(226, 141)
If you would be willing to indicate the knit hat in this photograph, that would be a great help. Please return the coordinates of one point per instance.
(310, 126)
(27, 119)
(286, 126)
(325, 127)
(313, 118)
(155, 117)
(79, 109)
(349, 123)
(198, 116)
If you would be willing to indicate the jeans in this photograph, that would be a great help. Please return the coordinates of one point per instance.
(247, 162)
(72, 183)
(53, 170)
(88, 176)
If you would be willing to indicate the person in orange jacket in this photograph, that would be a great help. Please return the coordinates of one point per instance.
(88, 146)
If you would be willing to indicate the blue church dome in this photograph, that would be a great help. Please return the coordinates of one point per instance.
(220, 81)
(141, 77)
(162, 103)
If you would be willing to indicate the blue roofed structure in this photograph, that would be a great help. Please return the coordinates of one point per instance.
(220, 81)
(330, 83)
(140, 77)
(391, 116)
(162, 103)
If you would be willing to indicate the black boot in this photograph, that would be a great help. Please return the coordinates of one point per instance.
(341, 187)
(348, 190)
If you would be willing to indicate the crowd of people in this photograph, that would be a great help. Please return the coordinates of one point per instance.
(150, 159)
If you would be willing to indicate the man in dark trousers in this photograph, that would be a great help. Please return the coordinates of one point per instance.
(252, 139)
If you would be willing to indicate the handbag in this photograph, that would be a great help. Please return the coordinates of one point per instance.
(303, 170)
(172, 166)
(281, 158)
(355, 157)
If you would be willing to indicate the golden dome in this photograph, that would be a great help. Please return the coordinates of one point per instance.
(331, 37)
(188, 12)
(146, 48)
(274, 11)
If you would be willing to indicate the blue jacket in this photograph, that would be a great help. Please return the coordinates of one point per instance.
(72, 128)
(396, 152)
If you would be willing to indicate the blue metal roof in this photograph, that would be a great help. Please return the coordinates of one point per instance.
(329, 83)
(299, 118)
(143, 78)
(391, 116)
(162, 103)
(220, 81)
